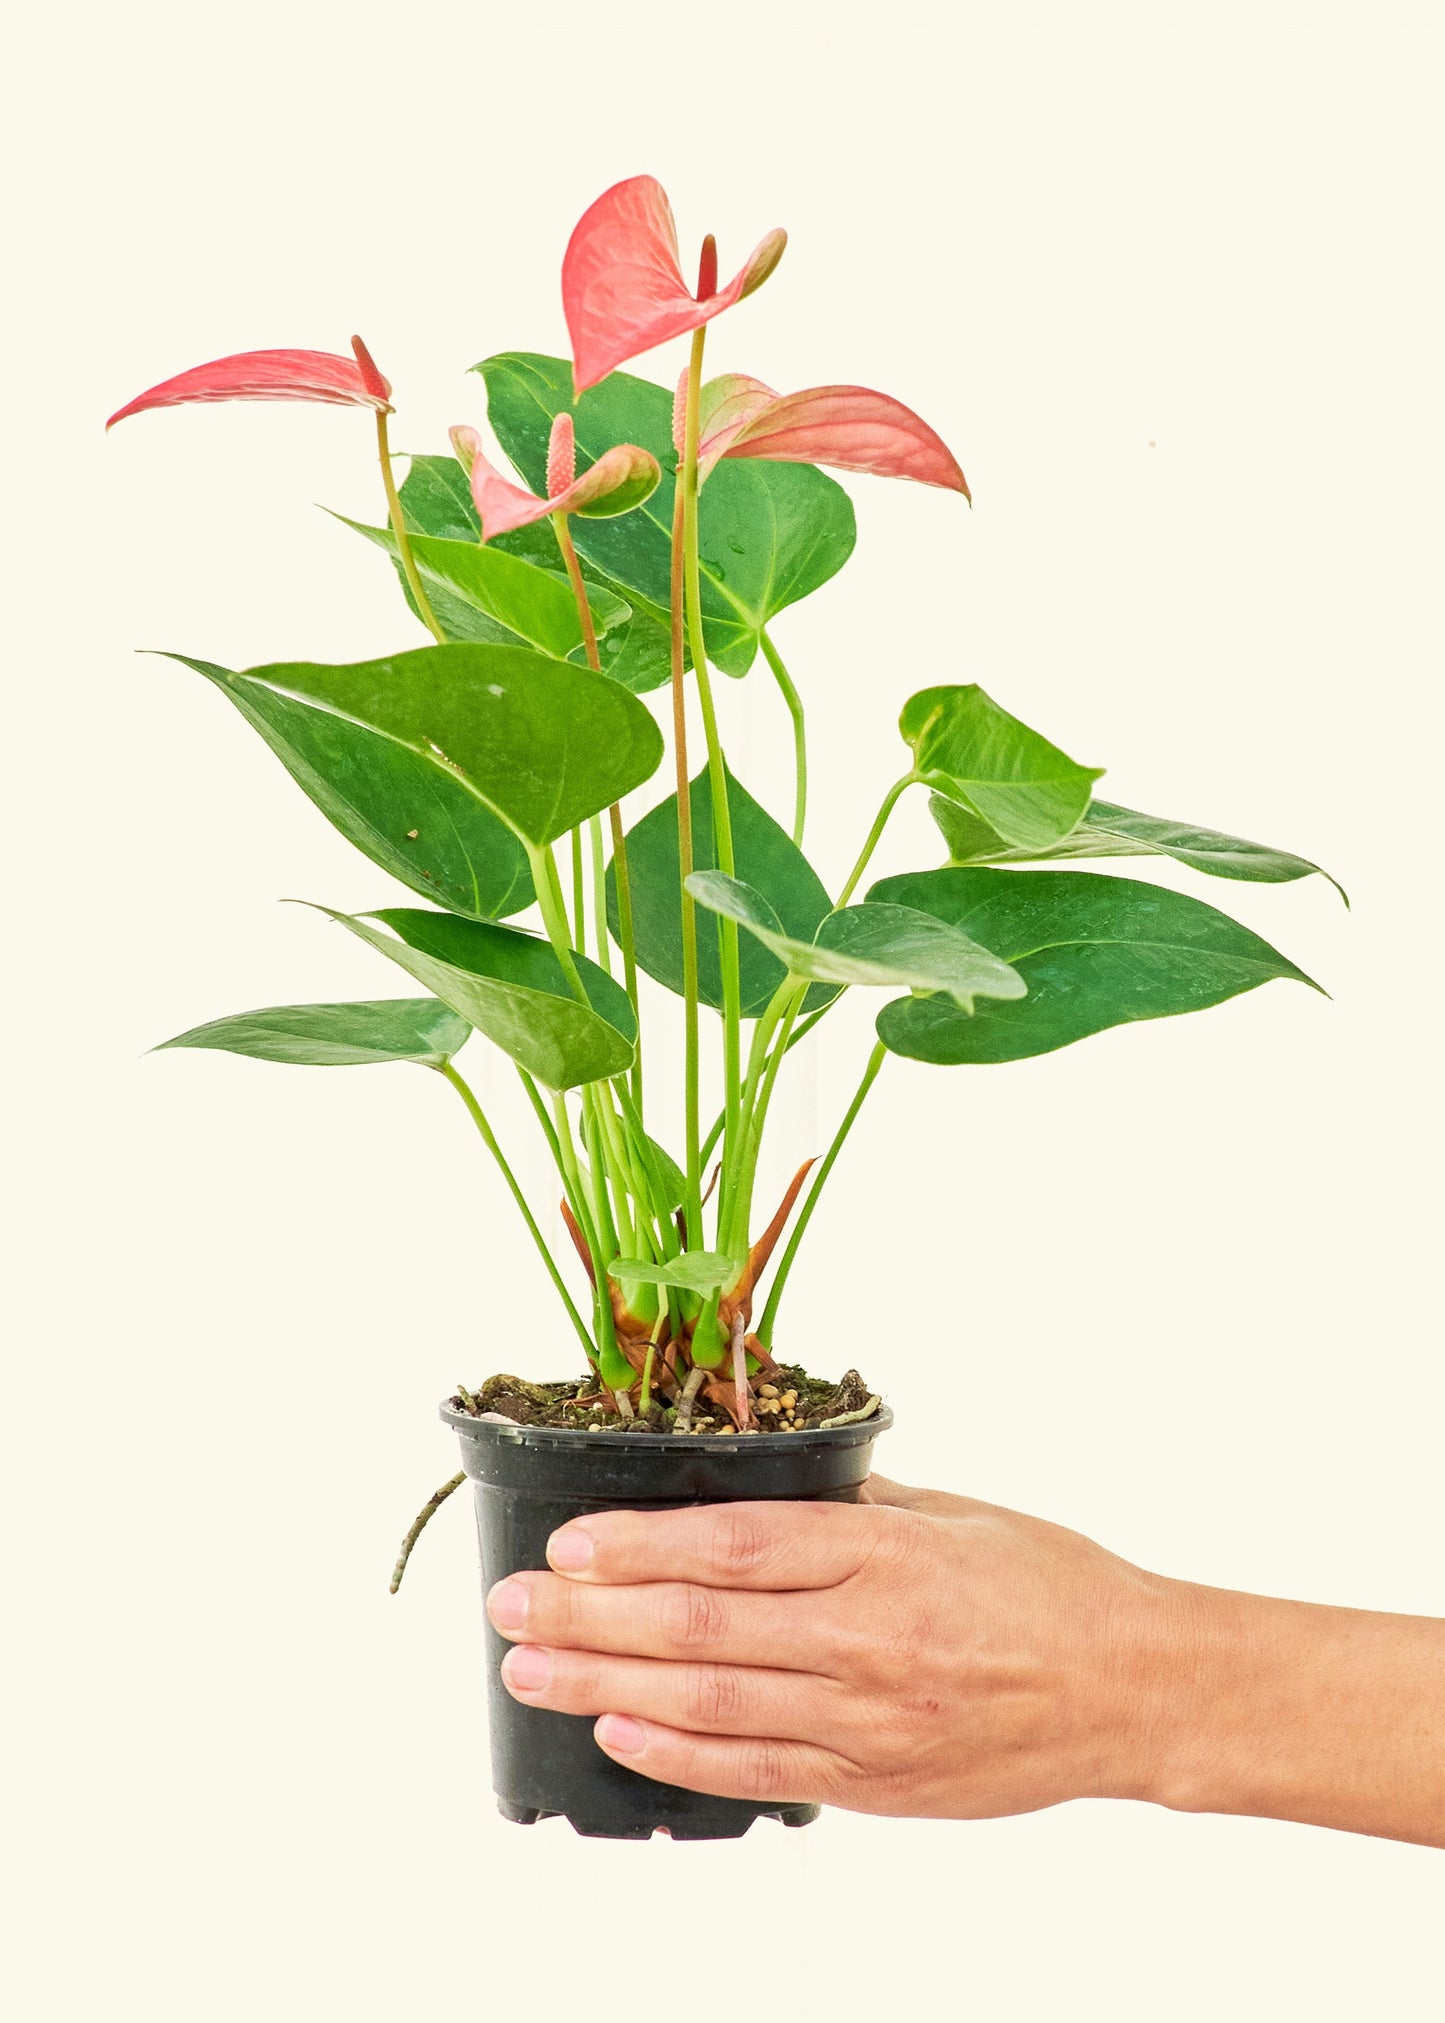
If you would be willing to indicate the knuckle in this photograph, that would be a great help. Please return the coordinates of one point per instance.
(772, 1771)
(741, 1540)
(715, 1695)
(897, 1537)
(895, 1789)
(553, 1606)
(695, 1618)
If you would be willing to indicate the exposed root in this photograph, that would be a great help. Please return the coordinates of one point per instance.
(423, 1518)
(690, 1389)
(851, 1418)
(743, 1412)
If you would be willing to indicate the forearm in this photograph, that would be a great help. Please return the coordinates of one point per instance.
(927, 1655)
(1285, 1710)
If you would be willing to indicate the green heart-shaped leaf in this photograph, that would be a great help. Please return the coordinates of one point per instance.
(699, 1271)
(540, 743)
(873, 944)
(404, 812)
(436, 499)
(970, 751)
(766, 857)
(532, 605)
(768, 533)
(336, 1035)
(510, 986)
(1111, 831)
(1094, 951)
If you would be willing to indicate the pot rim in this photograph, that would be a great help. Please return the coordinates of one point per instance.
(515, 1433)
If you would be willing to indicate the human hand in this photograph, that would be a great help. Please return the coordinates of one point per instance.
(915, 1654)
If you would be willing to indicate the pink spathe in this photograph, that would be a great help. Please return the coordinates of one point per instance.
(850, 428)
(272, 375)
(619, 479)
(622, 283)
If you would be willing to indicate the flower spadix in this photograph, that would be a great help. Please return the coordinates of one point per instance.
(623, 289)
(619, 480)
(850, 428)
(323, 376)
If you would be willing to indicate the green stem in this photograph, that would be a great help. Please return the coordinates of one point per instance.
(572, 1174)
(644, 1155)
(599, 895)
(709, 1143)
(755, 1123)
(579, 894)
(628, 1188)
(554, 915)
(785, 1264)
(692, 1205)
(625, 936)
(579, 590)
(728, 960)
(403, 538)
(613, 1366)
(890, 800)
(549, 1129)
(800, 734)
(799, 1032)
(489, 1139)
(644, 1396)
(735, 1160)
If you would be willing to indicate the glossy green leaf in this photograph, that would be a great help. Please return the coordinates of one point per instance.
(699, 1271)
(530, 604)
(1094, 952)
(970, 751)
(405, 813)
(874, 944)
(1111, 831)
(638, 651)
(538, 742)
(436, 499)
(768, 533)
(765, 856)
(511, 987)
(336, 1035)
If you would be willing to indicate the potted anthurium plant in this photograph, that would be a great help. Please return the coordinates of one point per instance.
(651, 537)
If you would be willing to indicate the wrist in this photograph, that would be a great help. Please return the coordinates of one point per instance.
(1172, 1660)
(1209, 1669)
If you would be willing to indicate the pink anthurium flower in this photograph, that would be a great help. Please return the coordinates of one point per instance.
(849, 427)
(272, 375)
(619, 480)
(622, 284)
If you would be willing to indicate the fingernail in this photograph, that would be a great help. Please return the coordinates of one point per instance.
(527, 1668)
(570, 1549)
(507, 1604)
(621, 1733)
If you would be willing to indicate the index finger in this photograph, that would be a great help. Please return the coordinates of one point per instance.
(778, 1546)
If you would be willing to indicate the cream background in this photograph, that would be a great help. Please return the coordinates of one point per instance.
(1167, 277)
